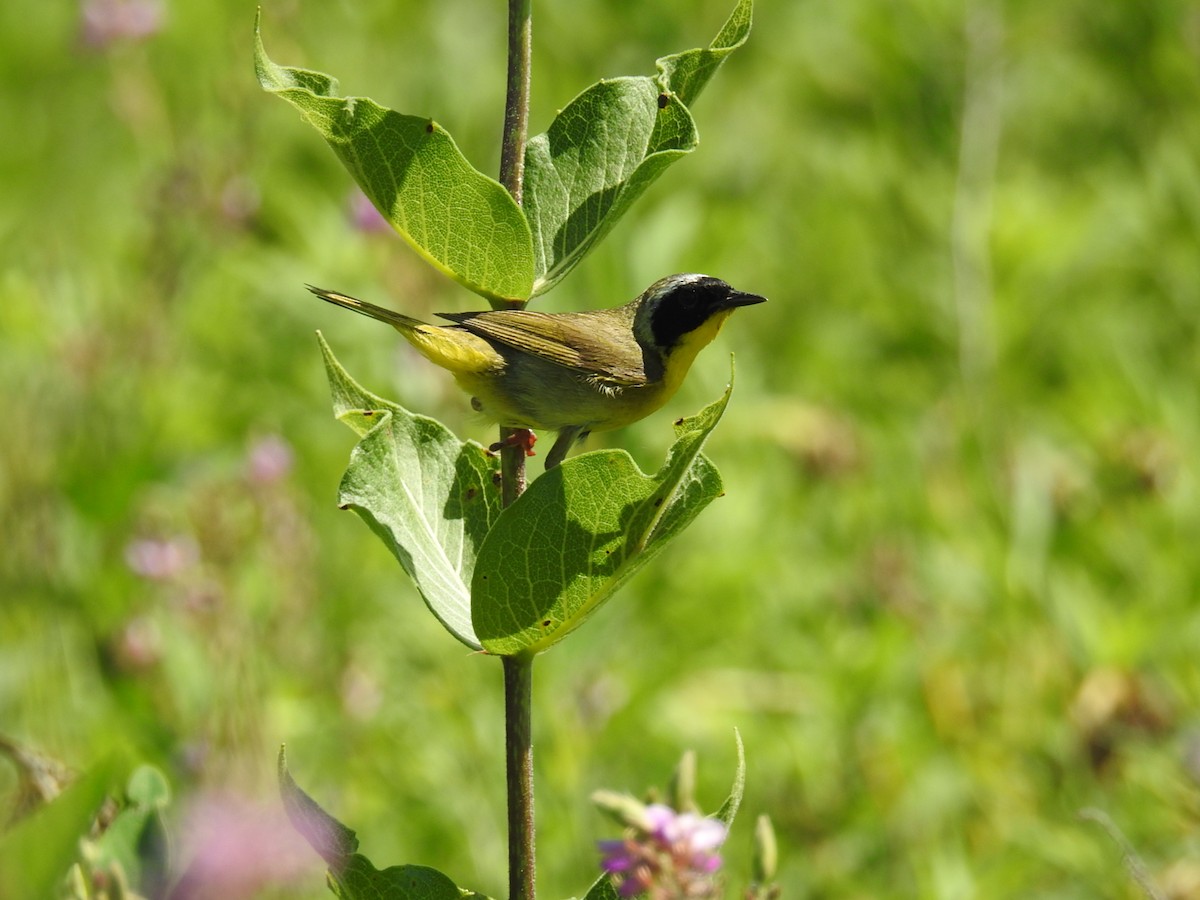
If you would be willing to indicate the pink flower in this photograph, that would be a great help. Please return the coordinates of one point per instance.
(160, 559)
(365, 217)
(668, 855)
(236, 847)
(269, 460)
(107, 21)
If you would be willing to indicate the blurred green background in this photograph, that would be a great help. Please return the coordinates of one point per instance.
(951, 596)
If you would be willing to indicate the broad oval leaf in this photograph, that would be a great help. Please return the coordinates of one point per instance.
(582, 530)
(351, 875)
(429, 496)
(608, 145)
(463, 222)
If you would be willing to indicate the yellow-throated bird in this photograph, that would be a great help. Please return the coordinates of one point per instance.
(575, 372)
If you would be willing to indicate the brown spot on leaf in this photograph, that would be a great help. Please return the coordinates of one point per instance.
(663, 100)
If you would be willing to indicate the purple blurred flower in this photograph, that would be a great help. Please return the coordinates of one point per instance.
(105, 22)
(239, 200)
(160, 559)
(269, 460)
(670, 855)
(365, 217)
(139, 645)
(236, 847)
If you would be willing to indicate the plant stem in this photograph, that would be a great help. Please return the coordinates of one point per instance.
(512, 468)
(516, 107)
(512, 176)
(518, 696)
(518, 671)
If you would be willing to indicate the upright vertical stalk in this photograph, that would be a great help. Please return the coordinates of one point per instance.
(518, 737)
(512, 176)
(518, 671)
(516, 107)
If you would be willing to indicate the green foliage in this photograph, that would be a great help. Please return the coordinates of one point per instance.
(36, 853)
(600, 153)
(86, 841)
(517, 581)
(135, 842)
(351, 875)
(729, 808)
(580, 532)
(945, 614)
(429, 496)
(460, 220)
(608, 145)
(602, 889)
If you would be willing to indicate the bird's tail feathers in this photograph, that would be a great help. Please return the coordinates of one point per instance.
(395, 319)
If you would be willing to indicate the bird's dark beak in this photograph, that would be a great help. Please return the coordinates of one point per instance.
(740, 298)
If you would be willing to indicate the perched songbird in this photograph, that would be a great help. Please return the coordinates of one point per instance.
(574, 372)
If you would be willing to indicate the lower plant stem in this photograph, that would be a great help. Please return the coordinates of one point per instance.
(518, 705)
(518, 671)
(512, 468)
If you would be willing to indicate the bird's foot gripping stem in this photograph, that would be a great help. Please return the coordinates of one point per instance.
(518, 437)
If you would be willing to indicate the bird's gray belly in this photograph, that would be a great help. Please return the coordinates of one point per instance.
(549, 396)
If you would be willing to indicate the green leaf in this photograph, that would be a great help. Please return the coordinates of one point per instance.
(685, 74)
(608, 145)
(37, 852)
(135, 841)
(602, 889)
(362, 881)
(351, 875)
(733, 802)
(461, 221)
(429, 496)
(333, 841)
(580, 532)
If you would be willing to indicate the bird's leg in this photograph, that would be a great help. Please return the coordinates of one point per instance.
(566, 439)
(518, 437)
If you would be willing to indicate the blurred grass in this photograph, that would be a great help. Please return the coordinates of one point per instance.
(951, 596)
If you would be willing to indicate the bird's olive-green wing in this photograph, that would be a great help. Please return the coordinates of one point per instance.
(597, 344)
